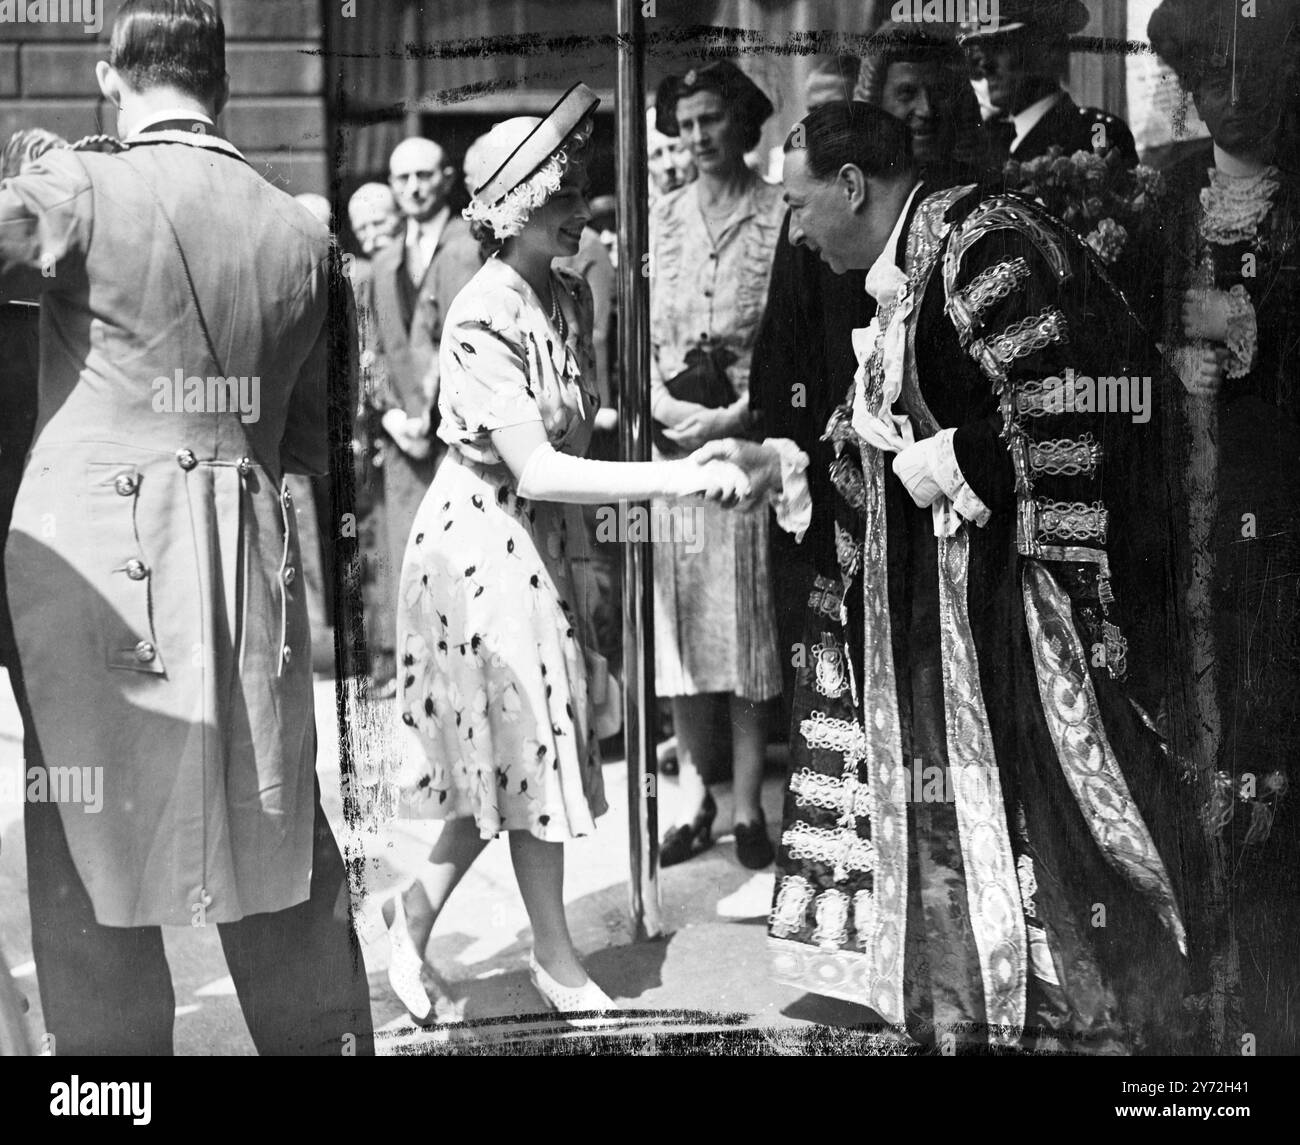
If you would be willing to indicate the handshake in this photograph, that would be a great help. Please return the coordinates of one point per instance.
(734, 473)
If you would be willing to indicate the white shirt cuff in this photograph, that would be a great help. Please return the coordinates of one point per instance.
(952, 481)
(914, 467)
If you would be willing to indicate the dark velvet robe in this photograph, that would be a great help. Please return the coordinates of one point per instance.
(803, 364)
(984, 838)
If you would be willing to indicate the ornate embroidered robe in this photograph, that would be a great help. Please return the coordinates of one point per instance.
(984, 839)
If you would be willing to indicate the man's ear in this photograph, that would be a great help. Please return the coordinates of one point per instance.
(110, 82)
(852, 183)
(223, 95)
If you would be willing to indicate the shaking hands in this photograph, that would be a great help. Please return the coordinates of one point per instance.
(758, 468)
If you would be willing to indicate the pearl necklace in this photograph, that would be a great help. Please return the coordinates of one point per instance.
(557, 315)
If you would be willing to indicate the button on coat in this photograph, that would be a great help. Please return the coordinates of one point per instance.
(148, 556)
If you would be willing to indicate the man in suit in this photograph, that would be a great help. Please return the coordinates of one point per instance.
(413, 282)
(154, 566)
(376, 223)
(1023, 57)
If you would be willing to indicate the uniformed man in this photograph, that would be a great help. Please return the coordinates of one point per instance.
(1024, 57)
(154, 567)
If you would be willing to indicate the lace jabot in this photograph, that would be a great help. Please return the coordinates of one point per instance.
(1234, 206)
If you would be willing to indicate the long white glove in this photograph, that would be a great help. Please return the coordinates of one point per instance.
(553, 476)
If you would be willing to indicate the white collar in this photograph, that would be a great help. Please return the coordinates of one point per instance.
(435, 225)
(1025, 121)
(166, 114)
(884, 278)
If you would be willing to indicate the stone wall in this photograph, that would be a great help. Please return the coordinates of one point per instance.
(276, 115)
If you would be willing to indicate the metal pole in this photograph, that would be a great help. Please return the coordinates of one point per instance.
(634, 434)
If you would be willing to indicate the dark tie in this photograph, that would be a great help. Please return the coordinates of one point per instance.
(1001, 133)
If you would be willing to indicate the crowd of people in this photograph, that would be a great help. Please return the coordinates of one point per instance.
(761, 329)
(987, 435)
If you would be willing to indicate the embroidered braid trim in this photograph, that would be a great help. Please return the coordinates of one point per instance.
(996, 355)
(1071, 520)
(835, 846)
(1047, 397)
(1064, 456)
(829, 793)
(967, 307)
(829, 734)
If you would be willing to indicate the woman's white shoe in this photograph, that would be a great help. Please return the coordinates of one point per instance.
(405, 964)
(570, 999)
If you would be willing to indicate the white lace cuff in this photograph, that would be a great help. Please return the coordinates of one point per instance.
(794, 503)
(1243, 333)
(953, 482)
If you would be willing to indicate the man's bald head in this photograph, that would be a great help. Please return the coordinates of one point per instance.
(421, 177)
(318, 206)
(374, 216)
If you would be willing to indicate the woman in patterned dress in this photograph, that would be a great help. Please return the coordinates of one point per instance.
(712, 244)
(498, 716)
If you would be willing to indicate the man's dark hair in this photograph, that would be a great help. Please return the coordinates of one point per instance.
(170, 43)
(852, 134)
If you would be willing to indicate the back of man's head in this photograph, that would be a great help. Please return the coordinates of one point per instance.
(855, 134)
(178, 44)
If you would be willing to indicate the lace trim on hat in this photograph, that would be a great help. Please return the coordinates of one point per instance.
(508, 217)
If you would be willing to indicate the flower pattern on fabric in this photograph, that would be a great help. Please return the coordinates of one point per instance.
(494, 716)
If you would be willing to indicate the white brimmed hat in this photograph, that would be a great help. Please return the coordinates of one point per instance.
(513, 151)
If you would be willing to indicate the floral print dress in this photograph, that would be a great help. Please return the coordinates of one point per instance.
(495, 720)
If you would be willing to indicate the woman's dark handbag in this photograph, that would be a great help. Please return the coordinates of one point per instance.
(704, 382)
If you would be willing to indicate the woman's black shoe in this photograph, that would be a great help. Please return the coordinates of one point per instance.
(753, 847)
(682, 843)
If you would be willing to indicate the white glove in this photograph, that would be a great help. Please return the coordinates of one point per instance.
(553, 476)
